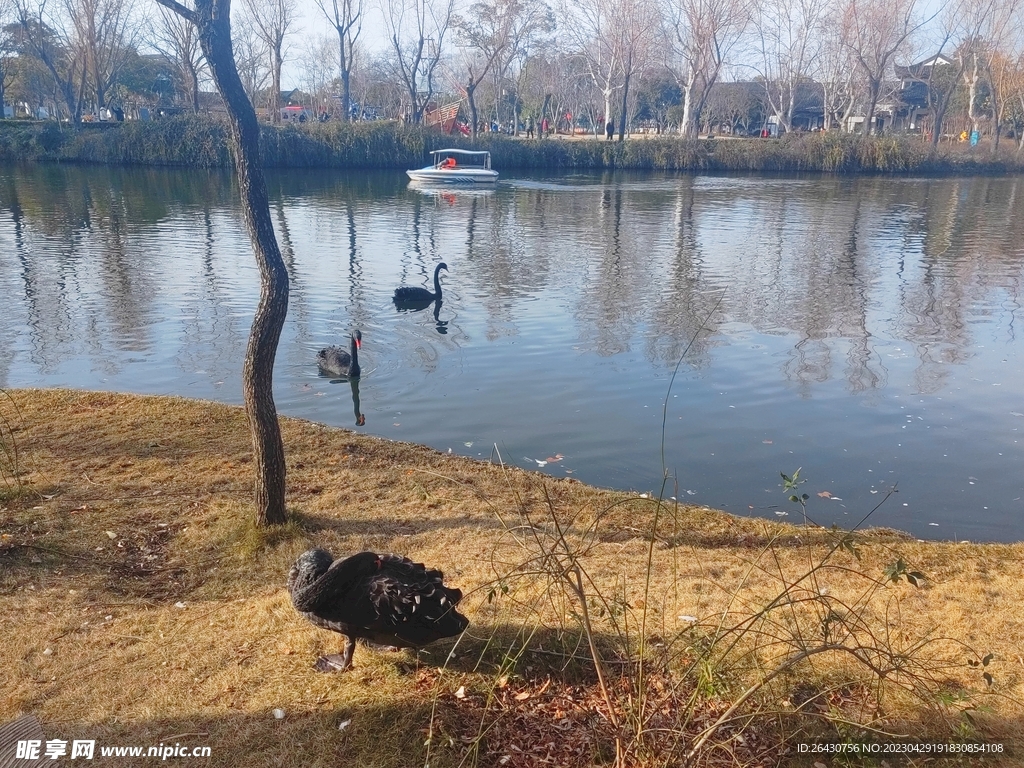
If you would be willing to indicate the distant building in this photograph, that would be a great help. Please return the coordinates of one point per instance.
(903, 101)
(913, 91)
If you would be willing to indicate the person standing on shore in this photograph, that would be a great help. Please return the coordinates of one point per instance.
(609, 129)
(544, 128)
(529, 126)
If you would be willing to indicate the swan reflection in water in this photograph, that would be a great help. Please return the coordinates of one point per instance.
(440, 325)
(354, 386)
(360, 418)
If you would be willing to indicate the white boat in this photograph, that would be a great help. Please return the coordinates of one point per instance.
(456, 166)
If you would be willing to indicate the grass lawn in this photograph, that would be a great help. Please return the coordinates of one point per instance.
(140, 606)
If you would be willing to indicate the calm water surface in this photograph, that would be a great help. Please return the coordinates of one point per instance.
(865, 330)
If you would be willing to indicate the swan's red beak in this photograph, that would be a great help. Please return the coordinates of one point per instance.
(359, 343)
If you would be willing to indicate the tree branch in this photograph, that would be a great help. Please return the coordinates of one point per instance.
(181, 10)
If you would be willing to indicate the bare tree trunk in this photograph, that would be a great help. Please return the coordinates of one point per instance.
(684, 123)
(870, 126)
(471, 98)
(212, 18)
(275, 97)
(622, 115)
(193, 77)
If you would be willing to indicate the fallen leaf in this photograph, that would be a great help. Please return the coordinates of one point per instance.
(767, 442)
(344, 724)
(522, 696)
(461, 693)
(825, 494)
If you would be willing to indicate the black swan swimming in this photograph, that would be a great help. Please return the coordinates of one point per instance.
(337, 362)
(386, 599)
(408, 297)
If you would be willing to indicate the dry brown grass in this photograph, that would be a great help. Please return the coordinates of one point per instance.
(132, 506)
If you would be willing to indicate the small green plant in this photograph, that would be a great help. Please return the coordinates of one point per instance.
(791, 484)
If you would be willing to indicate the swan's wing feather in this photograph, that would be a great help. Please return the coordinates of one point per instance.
(404, 592)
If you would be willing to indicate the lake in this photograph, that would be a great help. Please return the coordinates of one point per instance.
(861, 329)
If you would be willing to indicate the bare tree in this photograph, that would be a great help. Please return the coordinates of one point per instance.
(377, 88)
(178, 39)
(960, 26)
(272, 21)
(1004, 64)
(879, 30)
(106, 33)
(251, 55)
(590, 28)
(346, 16)
(1015, 91)
(484, 33)
(638, 23)
(319, 65)
(790, 37)
(836, 69)
(701, 35)
(416, 30)
(43, 34)
(7, 48)
(529, 33)
(213, 20)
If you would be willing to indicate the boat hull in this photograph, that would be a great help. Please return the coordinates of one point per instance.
(433, 175)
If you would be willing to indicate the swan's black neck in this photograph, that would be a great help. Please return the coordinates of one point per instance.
(437, 281)
(353, 365)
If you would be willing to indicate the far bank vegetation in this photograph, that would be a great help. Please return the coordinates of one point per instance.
(201, 142)
(940, 74)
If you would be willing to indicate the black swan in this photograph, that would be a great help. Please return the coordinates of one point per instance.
(408, 297)
(386, 599)
(337, 362)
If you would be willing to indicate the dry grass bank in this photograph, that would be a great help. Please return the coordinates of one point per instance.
(139, 606)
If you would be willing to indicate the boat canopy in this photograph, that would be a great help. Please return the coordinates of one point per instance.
(459, 152)
(468, 157)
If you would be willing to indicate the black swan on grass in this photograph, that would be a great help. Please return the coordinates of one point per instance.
(386, 599)
(335, 361)
(408, 297)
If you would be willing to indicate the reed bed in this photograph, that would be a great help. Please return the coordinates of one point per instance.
(198, 141)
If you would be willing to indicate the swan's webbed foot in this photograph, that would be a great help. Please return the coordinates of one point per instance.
(336, 662)
(333, 663)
